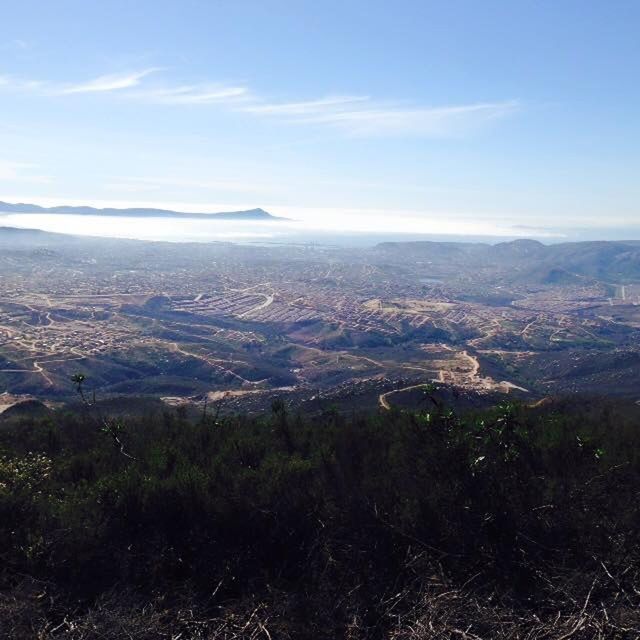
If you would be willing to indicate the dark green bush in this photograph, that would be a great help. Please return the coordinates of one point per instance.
(329, 509)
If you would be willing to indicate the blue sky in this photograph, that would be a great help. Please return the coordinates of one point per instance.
(484, 115)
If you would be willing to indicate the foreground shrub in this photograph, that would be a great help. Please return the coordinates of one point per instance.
(397, 524)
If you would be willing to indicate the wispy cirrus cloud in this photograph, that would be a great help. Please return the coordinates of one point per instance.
(360, 115)
(131, 84)
(355, 115)
(196, 94)
(101, 84)
(8, 82)
(308, 109)
(109, 82)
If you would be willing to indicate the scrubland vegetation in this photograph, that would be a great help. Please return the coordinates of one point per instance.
(515, 523)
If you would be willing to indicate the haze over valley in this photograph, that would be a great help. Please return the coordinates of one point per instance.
(306, 226)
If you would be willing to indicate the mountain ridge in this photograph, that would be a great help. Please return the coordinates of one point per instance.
(530, 260)
(137, 212)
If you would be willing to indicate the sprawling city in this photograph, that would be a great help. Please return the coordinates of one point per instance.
(243, 324)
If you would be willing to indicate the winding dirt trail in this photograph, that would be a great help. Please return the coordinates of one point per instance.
(263, 305)
(212, 362)
(469, 379)
(383, 398)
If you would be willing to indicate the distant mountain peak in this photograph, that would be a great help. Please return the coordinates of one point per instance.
(138, 212)
(521, 247)
(524, 242)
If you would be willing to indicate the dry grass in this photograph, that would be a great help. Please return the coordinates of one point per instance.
(456, 615)
(429, 610)
(31, 612)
